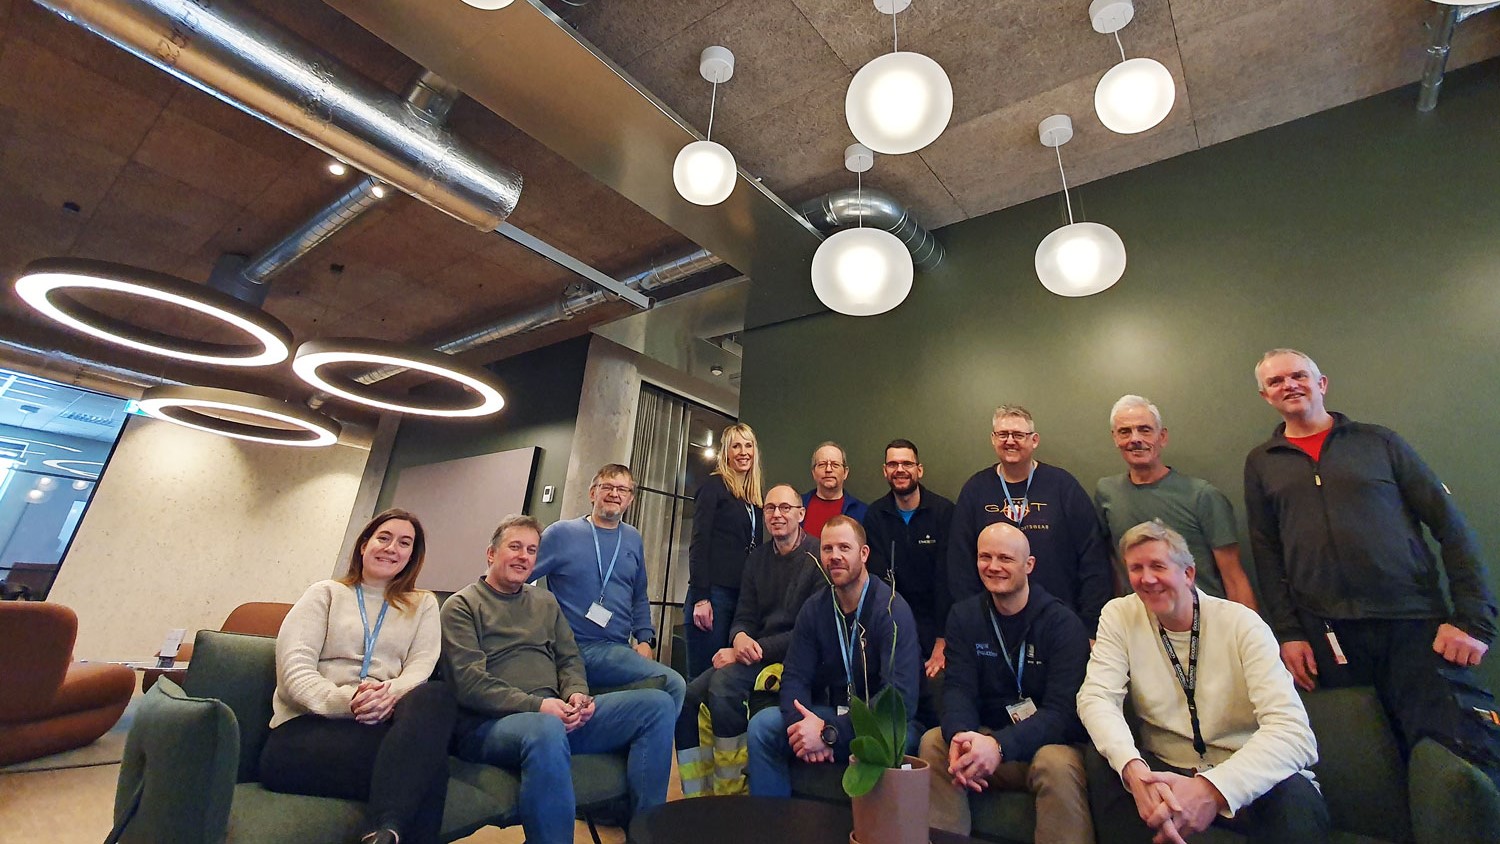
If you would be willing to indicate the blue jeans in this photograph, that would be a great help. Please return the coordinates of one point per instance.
(536, 743)
(702, 644)
(770, 754)
(610, 664)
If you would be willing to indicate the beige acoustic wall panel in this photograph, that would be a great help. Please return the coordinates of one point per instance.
(459, 503)
(186, 526)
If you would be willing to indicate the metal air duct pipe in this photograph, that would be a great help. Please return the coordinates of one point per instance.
(841, 209)
(232, 53)
(1447, 20)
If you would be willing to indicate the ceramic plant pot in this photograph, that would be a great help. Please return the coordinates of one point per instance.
(895, 810)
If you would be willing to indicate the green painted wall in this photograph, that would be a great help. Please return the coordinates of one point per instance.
(1368, 236)
(542, 390)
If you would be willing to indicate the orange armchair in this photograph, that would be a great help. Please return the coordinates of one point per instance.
(50, 703)
(257, 618)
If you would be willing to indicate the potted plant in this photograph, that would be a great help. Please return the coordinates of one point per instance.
(888, 789)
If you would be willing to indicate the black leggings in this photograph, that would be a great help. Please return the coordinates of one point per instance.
(398, 767)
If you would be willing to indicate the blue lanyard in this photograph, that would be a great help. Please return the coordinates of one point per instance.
(1025, 499)
(599, 556)
(370, 635)
(1018, 667)
(846, 645)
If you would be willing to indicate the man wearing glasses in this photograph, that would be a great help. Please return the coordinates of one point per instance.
(1047, 503)
(596, 567)
(779, 578)
(830, 468)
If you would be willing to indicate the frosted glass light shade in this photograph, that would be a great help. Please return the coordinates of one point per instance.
(862, 272)
(1135, 95)
(704, 173)
(488, 5)
(899, 103)
(1080, 259)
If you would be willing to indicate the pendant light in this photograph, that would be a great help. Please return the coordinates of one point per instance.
(488, 5)
(860, 271)
(1079, 259)
(242, 416)
(704, 171)
(323, 364)
(899, 102)
(1135, 94)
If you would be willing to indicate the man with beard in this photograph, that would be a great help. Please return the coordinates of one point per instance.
(1153, 490)
(1044, 501)
(828, 498)
(908, 529)
(779, 578)
(847, 643)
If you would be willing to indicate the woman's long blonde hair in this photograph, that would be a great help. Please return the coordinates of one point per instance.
(746, 487)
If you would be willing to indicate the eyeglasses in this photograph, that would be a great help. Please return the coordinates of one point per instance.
(897, 465)
(1017, 436)
(783, 509)
(609, 488)
(828, 464)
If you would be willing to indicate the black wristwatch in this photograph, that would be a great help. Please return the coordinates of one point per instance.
(829, 735)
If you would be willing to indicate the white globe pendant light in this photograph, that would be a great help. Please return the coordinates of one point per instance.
(1079, 259)
(860, 271)
(704, 172)
(1136, 94)
(899, 102)
(488, 5)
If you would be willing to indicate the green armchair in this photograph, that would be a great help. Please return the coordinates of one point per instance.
(190, 771)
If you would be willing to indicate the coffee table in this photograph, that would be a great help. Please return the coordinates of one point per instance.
(752, 820)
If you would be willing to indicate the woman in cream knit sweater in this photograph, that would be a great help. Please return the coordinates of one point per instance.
(354, 715)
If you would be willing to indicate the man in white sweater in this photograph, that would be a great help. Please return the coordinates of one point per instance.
(1225, 738)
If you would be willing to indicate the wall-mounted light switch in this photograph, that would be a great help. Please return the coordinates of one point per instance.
(547, 492)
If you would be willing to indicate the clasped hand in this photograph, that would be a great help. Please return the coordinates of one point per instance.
(573, 712)
(972, 758)
(373, 701)
(1172, 805)
(806, 737)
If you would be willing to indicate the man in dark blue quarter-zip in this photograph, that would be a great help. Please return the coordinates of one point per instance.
(1350, 586)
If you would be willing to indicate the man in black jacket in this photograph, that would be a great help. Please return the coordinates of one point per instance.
(1350, 587)
(779, 578)
(1016, 657)
(851, 640)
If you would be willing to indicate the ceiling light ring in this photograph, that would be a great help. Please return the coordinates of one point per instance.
(184, 405)
(45, 286)
(314, 356)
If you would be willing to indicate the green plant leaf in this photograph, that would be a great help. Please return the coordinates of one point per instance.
(867, 749)
(890, 717)
(866, 723)
(860, 777)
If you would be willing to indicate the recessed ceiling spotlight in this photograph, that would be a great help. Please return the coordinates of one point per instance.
(45, 286)
(338, 168)
(482, 392)
(709, 453)
(202, 409)
(80, 485)
(378, 191)
(716, 370)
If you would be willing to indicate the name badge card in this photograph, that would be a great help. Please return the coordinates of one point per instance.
(1019, 712)
(598, 614)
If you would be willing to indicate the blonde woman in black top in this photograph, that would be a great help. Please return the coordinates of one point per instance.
(726, 525)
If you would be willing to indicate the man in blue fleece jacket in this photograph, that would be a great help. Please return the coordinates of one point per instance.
(851, 640)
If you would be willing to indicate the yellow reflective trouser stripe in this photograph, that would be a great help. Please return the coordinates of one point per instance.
(696, 767)
(705, 726)
(730, 755)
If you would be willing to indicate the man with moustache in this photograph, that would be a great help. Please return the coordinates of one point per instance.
(1153, 490)
(1224, 737)
(1044, 501)
(1016, 660)
(779, 578)
(1350, 585)
(596, 567)
(908, 529)
(827, 498)
(847, 642)
(524, 704)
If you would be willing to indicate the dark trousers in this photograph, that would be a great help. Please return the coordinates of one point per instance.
(399, 767)
(1293, 810)
(726, 691)
(703, 644)
(1424, 695)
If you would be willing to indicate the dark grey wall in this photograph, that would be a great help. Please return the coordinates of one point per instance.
(542, 390)
(1368, 236)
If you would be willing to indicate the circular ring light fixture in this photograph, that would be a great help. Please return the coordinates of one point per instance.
(187, 406)
(45, 286)
(313, 356)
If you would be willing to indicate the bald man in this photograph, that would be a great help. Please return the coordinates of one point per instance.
(1016, 657)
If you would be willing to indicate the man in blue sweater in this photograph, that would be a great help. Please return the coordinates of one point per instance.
(851, 640)
(1072, 561)
(596, 568)
(1016, 657)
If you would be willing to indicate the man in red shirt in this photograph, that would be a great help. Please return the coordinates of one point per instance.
(830, 468)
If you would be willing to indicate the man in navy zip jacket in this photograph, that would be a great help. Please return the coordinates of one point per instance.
(1350, 587)
(855, 639)
(1016, 658)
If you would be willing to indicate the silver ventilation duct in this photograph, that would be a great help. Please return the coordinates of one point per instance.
(234, 54)
(841, 209)
(1446, 21)
(52, 362)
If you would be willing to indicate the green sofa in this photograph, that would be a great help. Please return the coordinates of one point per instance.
(1371, 795)
(189, 775)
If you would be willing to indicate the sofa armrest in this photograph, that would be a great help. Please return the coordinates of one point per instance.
(178, 772)
(1451, 800)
